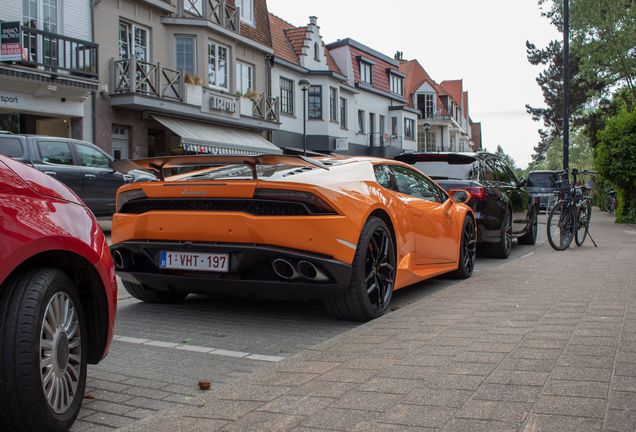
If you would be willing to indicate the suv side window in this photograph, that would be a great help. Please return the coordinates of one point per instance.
(55, 152)
(11, 147)
(490, 173)
(503, 172)
(412, 183)
(90, 157)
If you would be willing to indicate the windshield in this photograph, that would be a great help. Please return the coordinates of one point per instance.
(443, 170)
(543, 180)
(242, 172)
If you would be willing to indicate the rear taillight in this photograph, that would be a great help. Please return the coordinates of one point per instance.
(476, 192)
(314, 202)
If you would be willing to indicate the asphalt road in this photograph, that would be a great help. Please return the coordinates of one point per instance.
(161, 352)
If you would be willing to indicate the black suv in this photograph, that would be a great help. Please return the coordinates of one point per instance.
(503, 209)
(542, 184)
(80, 165)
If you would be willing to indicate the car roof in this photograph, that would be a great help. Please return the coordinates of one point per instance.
(450, 157)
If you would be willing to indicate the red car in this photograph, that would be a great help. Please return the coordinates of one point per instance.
(58, 298)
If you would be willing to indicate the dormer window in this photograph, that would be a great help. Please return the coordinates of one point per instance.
(397, 84)
(365, 72)
(247, 10)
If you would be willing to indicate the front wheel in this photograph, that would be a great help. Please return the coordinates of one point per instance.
(582, 224)
(561, 225)
(372, 278)
(503, 247)
(530, 237)
(467, 250)
(44, 351)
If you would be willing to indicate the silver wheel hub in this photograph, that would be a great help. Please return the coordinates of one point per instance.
(60, 353)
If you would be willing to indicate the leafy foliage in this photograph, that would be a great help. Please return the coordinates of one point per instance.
(616, 161)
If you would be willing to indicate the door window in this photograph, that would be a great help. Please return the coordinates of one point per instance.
(412, 183)
(89, 157)
(503, 172)
(55, 152)
(385, 178)
(490, 173)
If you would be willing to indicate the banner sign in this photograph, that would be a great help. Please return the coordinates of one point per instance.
(11, 48)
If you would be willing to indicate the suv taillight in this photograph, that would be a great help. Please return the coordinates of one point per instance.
(476, 192)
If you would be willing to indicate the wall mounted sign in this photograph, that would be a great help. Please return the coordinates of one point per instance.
(11, 47)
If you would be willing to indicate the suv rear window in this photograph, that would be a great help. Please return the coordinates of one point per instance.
(443, 170)
(11, 147)
(544, 180)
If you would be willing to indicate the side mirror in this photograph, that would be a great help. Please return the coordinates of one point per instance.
(523, 182)
(459, 196)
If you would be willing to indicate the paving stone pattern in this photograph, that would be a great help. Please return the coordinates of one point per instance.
(542, 343)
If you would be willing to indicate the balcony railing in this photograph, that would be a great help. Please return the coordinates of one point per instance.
(216, 11)
(135, 76)
(441, 113)
(59, 54)
(376, 139)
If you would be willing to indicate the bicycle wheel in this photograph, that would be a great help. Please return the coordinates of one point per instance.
(561, 225)
(582, 223)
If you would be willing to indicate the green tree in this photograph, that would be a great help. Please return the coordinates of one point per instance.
(580, 154)
(616, 161)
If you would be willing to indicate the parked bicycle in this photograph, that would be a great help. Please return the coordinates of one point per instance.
(569, 219)
(610, 201)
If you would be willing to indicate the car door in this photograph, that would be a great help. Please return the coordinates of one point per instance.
(519, 199)
(99, 181)
(433, 228)
(55, 158)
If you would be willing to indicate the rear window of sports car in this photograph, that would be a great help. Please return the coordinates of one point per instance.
(242, 172)
(442, 170)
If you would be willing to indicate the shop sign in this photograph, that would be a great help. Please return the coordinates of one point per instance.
(11, 47)
(221, 103)
(11, 100)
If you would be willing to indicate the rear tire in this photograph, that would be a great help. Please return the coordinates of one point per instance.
(502, 248)
(152, 296)
(372, 278)
(530, 237)
(561, 226)
(43, 351)
(582, 224)
(467, 250)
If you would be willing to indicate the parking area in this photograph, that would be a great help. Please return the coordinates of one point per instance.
(161, 352)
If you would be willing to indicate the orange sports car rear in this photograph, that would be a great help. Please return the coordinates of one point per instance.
(348, 230)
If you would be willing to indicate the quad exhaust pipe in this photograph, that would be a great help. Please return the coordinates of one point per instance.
(303, 270)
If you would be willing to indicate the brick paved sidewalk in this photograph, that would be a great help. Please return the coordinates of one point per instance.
(543, 343)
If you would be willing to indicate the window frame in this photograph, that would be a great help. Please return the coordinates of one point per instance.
(286, 96)
(409, 126)
(361, 116)
(397, 81)
(194, 53)
(316, 102)
(216, 71)
(343, 112)
(247, 12)
(241, 66)
(333, 107)
(367, 77)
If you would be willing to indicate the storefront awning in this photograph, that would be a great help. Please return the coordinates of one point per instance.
(207, 138)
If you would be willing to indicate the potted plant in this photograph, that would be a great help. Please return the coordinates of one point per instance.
(194, 93)
(248, 100)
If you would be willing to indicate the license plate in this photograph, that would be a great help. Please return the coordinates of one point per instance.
(216, 262)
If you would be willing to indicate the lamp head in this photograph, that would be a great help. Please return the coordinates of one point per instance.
(426, 125)
(304, 84)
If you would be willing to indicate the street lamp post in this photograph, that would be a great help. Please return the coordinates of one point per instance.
(304, 85)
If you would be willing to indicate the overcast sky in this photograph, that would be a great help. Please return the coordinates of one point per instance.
(479, 41)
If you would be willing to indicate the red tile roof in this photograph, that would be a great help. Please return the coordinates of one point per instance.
(260, 32)
(380, 78)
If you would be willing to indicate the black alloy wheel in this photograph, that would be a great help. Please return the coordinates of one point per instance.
(530, 237)
(467, 250)
(373, 277)
(502, 248)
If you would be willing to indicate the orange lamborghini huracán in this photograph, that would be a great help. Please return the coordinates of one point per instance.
(347, 230)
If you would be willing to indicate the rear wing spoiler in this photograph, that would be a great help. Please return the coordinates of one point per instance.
(158, 164)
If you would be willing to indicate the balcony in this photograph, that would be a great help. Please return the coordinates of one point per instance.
(136, 77)
(376, 139)
(58, 55)
(215, 11)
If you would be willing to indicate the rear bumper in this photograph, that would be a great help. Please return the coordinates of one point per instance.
(250, 274)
